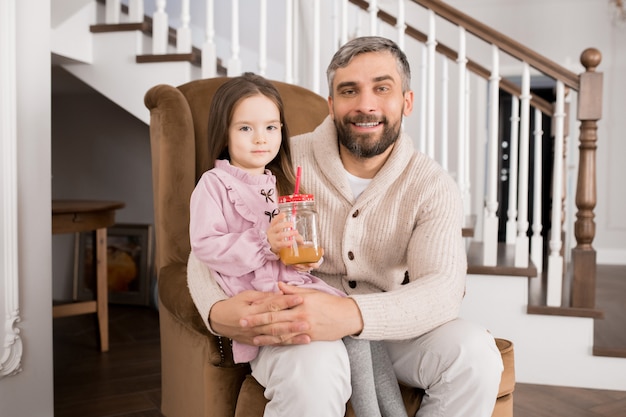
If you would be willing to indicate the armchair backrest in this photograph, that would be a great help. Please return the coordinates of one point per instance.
(179, 146)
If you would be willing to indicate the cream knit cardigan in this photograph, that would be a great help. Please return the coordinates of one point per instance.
(407, 223)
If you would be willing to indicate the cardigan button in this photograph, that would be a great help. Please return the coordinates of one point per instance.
(351, 255)
(352, 284)
(356, 213)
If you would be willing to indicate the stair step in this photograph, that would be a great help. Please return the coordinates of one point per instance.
(118, 27)
(192, 57)
(505, 262)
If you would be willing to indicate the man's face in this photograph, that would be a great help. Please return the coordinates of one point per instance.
(368, 104)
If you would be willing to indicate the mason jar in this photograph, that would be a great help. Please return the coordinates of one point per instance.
(305, 247)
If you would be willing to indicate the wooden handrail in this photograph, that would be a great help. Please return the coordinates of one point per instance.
(506, 85)
(506, 44)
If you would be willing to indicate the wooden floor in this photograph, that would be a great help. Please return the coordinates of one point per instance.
(125, 382)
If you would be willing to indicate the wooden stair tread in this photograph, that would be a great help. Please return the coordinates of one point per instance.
(469, 225)
(505, 262)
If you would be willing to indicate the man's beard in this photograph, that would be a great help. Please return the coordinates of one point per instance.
(364, 145)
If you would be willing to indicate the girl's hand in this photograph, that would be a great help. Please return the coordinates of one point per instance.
(309, 267)
(280, 233)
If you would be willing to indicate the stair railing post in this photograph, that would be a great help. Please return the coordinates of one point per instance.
(160, 29)
(234, 63)
(521, 242)
(589, 112)
(135, 11)
(209, 49)
(555, 257)
(183, 33)
(490, 219)
(112, 12)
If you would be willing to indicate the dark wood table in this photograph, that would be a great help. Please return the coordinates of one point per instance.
(72, 216)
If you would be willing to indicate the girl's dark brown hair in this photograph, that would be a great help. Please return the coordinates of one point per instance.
(226, 98)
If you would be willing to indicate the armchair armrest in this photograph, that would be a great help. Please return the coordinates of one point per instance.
(174, 296)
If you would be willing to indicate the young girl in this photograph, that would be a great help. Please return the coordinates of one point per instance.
(232, 207)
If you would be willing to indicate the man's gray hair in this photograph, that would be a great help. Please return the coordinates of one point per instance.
(363, 45)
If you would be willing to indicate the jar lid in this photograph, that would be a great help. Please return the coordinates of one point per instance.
(295, 198)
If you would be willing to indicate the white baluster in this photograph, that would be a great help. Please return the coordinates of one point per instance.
(490, 222)
(555, 260)
(209, 49)
(401, 24)
(344, 22)
(444, 112)
(316, 46)
(373, 14)
(296, 41)
(234, 63)
(462, 149)
(183, 33)
(262, 37)
(511, 222)
(522, 245)
(467, 196)
(536, 241)
(431, 43)
(289, 33)
(424, 93)
(112, 12)
(159, 29)
(135, 11)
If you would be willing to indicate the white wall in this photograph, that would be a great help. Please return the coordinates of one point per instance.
(99, 151)
(30, 392)
(561, 30)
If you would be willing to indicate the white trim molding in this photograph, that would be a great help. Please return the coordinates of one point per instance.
(10, 339)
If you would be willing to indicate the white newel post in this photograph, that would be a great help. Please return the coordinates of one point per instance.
(511, 221)
(10, 339)
(555, 260)
(159, 29)
(209, 51)
(490, 222)
(183, 33)
(521, 243)
(536, 241)
(234, 63)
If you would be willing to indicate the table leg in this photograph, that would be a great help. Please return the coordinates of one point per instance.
(102, 290)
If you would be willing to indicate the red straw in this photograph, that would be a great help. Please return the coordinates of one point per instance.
(298, 174)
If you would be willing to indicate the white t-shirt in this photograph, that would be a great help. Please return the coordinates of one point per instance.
(357, 184)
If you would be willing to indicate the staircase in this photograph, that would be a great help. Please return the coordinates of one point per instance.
(542, 300)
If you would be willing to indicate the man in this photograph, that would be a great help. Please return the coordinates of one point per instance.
(391, 224)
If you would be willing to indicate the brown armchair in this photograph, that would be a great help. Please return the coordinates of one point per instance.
(199, 377)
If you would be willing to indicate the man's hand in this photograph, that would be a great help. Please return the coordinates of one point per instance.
(231, 318)
(320, 316)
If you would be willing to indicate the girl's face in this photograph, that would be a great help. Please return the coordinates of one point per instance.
(254, 134)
